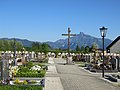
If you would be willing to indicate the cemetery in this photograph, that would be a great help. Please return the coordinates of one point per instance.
(23, 70)
(93, 63)
(28, 68)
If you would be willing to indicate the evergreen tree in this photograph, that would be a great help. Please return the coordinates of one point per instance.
(94, 47)
(82, 49)
(77, 48)
(87, 49)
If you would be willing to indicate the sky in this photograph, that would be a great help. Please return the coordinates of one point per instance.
(46, 20)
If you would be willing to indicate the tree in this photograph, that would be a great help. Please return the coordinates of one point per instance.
(87, 49)
(77, 48)
(19, 46)
(45, 47)
(36, 46)
(94, 47)
(8, 45)
(82, 49)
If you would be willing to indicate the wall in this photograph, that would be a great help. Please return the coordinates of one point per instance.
(116, 47)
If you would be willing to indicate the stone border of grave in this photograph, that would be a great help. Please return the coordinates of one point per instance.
(91, 69)
(112, 78)
(39, 82)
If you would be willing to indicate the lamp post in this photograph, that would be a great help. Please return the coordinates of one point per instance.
(103, 32)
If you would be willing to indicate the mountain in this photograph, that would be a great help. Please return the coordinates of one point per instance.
(80, 39)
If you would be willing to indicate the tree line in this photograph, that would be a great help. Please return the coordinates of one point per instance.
(6, 45)
(86, 49)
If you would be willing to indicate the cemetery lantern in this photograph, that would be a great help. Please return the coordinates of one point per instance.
(103, 32)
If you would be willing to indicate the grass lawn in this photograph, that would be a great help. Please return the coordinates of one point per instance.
(7, 87)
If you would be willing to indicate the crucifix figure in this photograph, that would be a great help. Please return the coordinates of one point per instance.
(69, 39)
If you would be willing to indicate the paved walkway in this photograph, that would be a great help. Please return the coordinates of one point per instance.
(52, 80)
(75, 78)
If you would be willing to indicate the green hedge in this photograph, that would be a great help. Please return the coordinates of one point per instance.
(31, 74)
(7, 87)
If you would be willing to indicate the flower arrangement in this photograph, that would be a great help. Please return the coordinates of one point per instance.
(13, 71)
(36, 67)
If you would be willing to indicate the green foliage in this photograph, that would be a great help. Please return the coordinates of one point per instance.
(27, 87)
(29, 64)
(8, 45)
(17, 81)
(23, 69)
(28, 49)
(25, 82)
(37, 47)
(40, 73)
(94, 46)
(45, 48)
(82, 49)
(77, 48)
(87, 49)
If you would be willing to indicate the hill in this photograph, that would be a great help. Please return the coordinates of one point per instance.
(80, 39)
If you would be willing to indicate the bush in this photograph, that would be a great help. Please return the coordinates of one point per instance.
(23, 69)
(31, 74)
(29, 64)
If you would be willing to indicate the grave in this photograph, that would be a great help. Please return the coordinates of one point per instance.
(4, 68)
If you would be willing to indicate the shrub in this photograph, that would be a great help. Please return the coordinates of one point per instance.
(31, 74)
(29, 64)
(17, 81)
(25, 82)
(23, 69)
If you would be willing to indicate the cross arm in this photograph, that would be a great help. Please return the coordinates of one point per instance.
(64, 34)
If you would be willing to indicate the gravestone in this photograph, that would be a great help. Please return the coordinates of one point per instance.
(69, 60)
(32, 55)
(4, 68)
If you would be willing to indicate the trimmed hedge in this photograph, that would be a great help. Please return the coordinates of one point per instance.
(7, 87)
(31, 74)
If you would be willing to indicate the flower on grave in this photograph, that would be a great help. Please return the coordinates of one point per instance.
(36, 67)
(13, 70)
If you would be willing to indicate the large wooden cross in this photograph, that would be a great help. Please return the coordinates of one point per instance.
(69, 39)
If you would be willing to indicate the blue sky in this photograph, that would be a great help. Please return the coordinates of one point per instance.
(46, 20)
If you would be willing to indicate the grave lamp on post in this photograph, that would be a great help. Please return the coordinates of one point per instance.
(103, 32)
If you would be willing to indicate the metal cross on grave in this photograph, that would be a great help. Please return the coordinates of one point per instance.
(69, 39)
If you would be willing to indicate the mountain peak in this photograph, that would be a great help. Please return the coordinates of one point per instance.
(81, 33)
(80, 39)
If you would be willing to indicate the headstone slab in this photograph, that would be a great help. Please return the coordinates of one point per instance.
(69, 60)
(4, 66)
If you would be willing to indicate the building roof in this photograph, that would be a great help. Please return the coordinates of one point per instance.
(118, 38)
